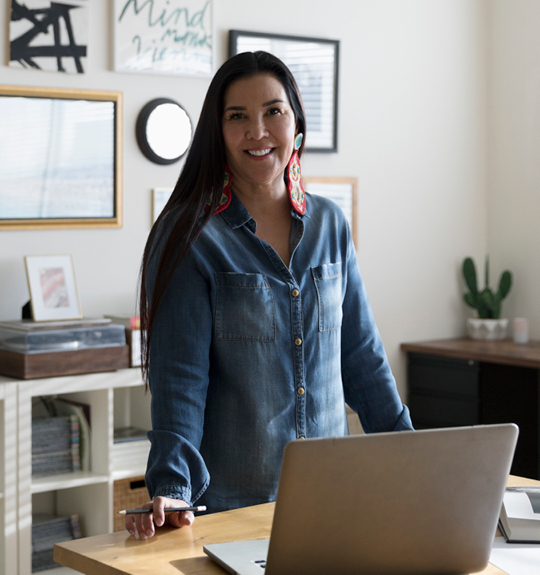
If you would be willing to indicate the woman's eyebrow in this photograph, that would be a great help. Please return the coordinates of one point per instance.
(234, 108)
(265, 104)
(276, 101)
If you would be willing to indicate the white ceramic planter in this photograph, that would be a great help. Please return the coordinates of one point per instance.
(489, 329)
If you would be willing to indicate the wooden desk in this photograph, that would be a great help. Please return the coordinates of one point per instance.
(179, 551)
(454, 382)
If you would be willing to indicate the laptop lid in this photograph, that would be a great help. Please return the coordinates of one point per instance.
(401, 503)
(391, 503)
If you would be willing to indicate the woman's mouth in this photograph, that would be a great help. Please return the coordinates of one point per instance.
(259, 153)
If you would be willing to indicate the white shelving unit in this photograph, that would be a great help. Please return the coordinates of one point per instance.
(8, 479)
(115, 398)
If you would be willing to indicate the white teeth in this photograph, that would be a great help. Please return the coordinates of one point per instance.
(259, 152)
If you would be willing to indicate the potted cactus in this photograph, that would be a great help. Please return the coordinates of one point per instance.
(489, 324)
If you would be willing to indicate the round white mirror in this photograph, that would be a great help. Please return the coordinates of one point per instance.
(164, 131)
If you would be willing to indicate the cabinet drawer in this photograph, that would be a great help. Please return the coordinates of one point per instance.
(441, 375)
(444, 411)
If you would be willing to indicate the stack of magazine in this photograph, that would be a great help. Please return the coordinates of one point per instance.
(46, 531)
(55, 445)
(48, 412)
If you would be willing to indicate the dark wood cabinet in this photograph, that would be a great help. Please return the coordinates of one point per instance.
(468, 382)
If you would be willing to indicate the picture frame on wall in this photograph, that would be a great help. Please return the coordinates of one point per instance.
(53, 291)
(314, 63)
(50, 36)
(341, 190)
(71, 175)
(164, 37)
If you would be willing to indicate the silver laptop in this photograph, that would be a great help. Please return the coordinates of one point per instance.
(424, 502)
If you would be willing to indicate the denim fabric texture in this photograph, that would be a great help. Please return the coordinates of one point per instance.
(247, 355)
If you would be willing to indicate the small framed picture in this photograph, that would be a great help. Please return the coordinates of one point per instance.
(340, 190)
(53, 291)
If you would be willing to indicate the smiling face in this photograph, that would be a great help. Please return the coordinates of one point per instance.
(259, 127)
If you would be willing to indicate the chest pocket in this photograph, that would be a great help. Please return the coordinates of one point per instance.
(244, 307)
(327, 280)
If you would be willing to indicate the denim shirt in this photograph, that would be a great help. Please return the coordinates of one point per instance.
(248, 354)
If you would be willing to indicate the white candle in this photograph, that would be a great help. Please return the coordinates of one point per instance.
(521, 330)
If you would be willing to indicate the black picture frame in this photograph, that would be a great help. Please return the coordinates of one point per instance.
(314, 63)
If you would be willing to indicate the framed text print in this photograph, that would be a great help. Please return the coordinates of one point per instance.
(314, 63)
(53, 292)
(60, 158)
(164, 37)
(340, 190)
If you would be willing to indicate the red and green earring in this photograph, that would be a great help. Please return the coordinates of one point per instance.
(225, 199)
(297, 193)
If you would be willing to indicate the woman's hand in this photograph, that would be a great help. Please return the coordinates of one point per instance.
(143, 526)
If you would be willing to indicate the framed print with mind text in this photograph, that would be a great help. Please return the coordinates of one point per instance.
(164, 37)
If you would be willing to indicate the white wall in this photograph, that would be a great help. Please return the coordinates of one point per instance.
(412, 129)
(514, 152)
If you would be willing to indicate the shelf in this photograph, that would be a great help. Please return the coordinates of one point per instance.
(115, 398)
(66, 481)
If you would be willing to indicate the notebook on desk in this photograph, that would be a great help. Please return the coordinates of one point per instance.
(424, 502)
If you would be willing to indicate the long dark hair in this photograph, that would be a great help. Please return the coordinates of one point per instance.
(201, 181)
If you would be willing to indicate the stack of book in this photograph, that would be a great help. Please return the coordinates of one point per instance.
(46, 531)
(130, 450)
(55, 445)
(520, 515)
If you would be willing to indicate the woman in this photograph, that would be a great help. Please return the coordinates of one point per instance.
(258, 323)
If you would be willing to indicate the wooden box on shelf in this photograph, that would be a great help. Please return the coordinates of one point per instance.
(53, 364)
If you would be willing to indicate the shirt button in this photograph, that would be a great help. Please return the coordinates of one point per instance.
(295, 293)
(301, 391)
(298, 341)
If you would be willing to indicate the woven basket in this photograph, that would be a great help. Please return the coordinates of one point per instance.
(129, 493)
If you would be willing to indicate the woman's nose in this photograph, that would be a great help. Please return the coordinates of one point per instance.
(256, 129)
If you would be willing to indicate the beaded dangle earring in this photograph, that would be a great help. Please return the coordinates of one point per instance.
(297, 193)
(225, 194)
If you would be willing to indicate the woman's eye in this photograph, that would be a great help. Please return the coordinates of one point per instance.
(273, 111)
(236, 116)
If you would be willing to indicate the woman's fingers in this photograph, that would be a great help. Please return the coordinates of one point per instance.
(143, 526)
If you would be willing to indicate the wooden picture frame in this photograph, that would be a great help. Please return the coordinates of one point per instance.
(341, 190)
(52, 286)
(314, 63)
(60, 158)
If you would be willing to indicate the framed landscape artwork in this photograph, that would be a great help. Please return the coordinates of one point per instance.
(60, 158)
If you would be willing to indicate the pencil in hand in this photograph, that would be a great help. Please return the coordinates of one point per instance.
(166, 510)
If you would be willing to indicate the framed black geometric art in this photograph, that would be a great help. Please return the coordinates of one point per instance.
(49, 36)
(314, 63)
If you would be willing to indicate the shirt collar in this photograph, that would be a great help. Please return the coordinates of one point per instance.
(237, 216)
